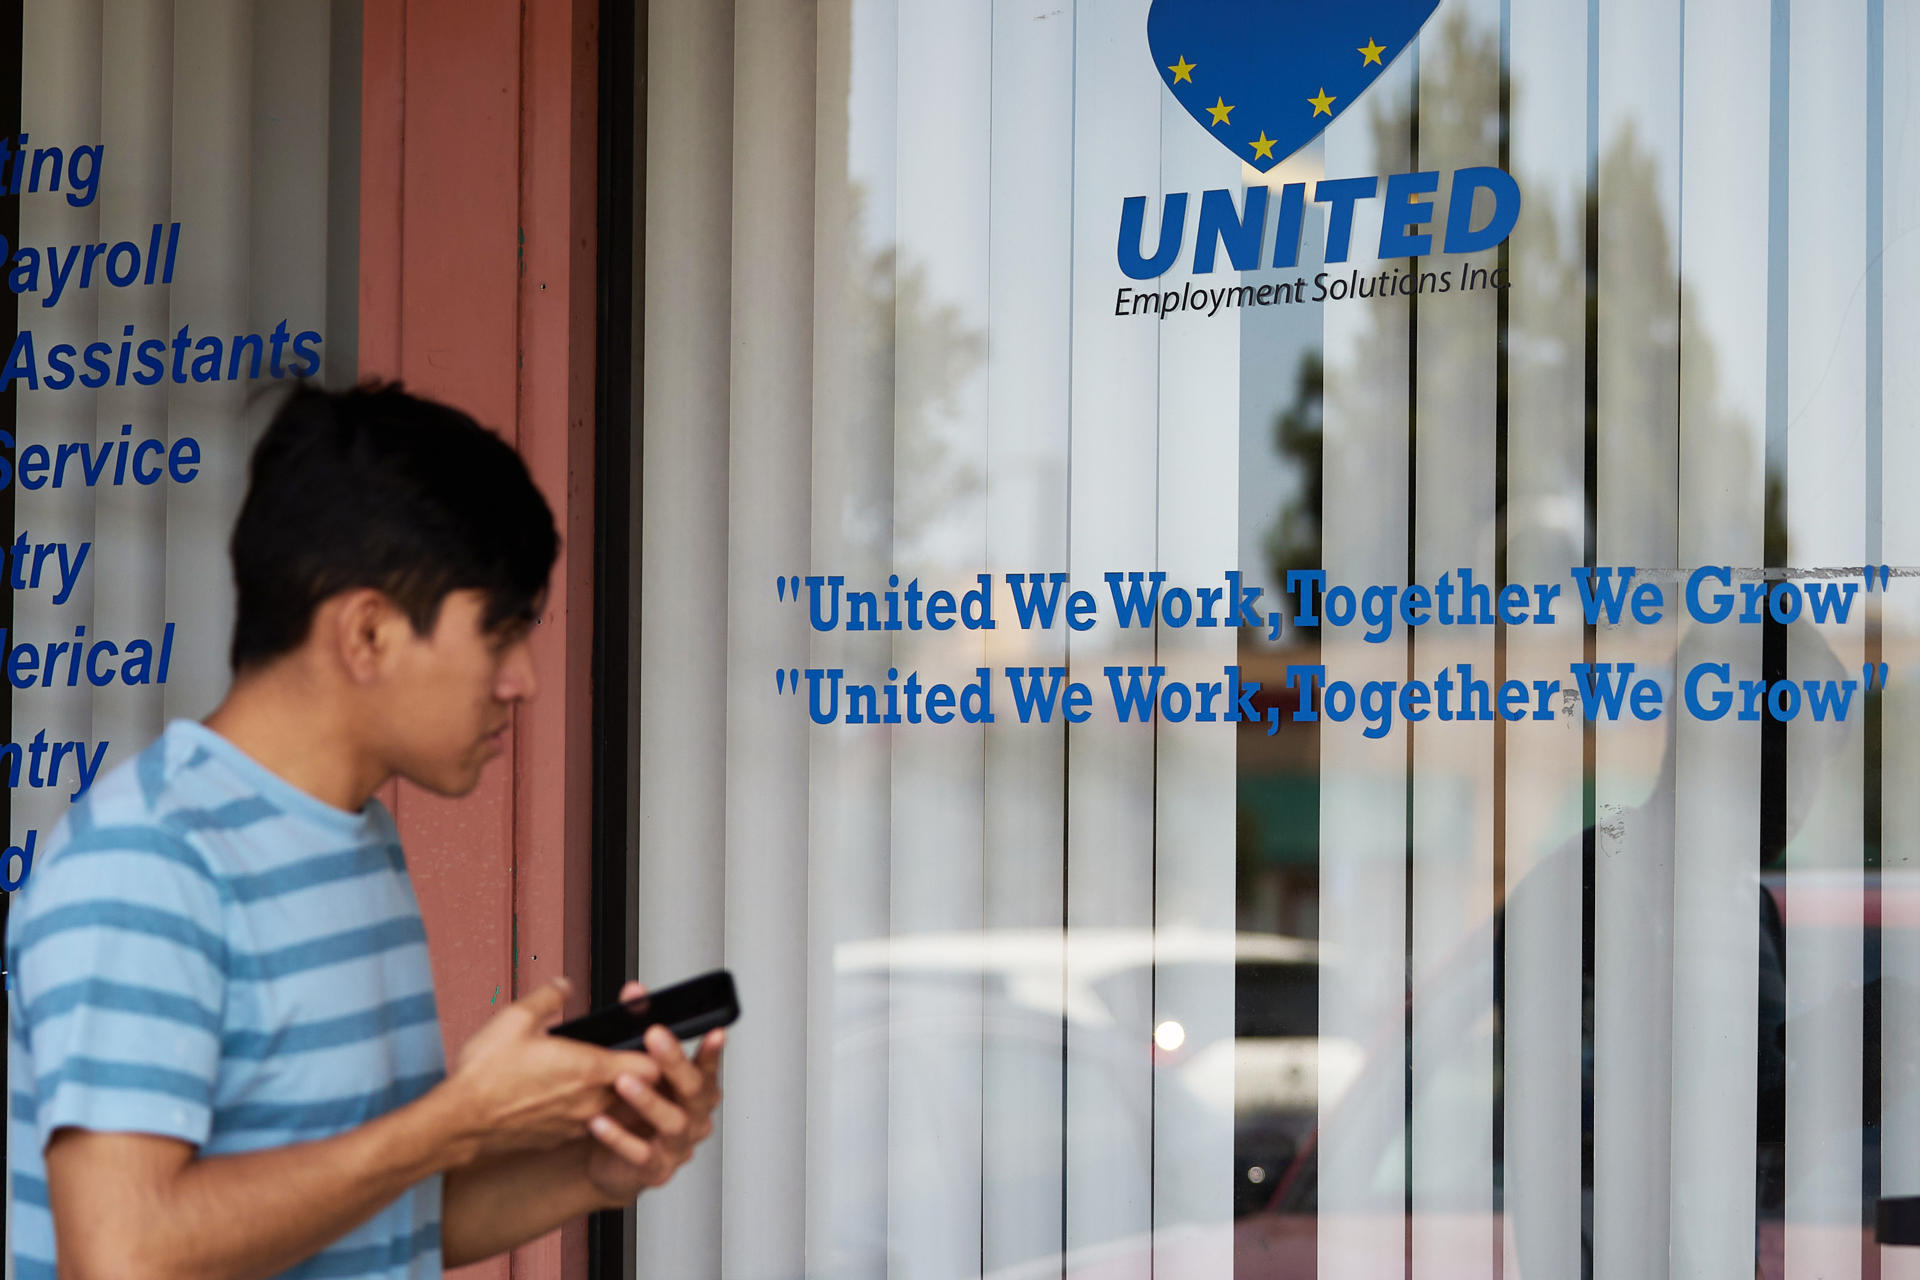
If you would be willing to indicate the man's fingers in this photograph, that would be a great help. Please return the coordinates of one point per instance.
(545, 1002)
(630, 1147)
(631, 1062)
(708, 1056)
(632, 991)
(668, 1120)
(687, 1080)
(621, 1112)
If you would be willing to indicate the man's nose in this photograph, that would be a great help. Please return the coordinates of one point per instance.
(517, 680)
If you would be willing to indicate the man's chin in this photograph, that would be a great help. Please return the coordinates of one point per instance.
(451, 783)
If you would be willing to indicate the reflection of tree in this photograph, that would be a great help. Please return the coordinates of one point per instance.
(923, 348)
(1642, 315)
(1657, 381)
(1293, 541)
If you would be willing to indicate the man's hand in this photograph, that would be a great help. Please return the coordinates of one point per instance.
(127, 1204)
(520, 1089)
(642, 1142)
(651, 1123)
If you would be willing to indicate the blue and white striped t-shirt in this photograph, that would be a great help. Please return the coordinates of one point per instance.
(206, 952)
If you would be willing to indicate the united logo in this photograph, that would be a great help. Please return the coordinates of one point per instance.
(1264, 77)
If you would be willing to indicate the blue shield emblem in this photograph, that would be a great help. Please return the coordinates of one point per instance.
(1264, 77)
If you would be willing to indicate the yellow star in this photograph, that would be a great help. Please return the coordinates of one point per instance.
(1323, 105)
(1262, 146)
(1370, 53)
(1182, 70)
(1220, 110)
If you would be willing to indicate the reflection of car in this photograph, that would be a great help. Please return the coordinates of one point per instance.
(1288, 1238)
(930, 1024)
(1285, 1240)
(1275, 1073)
(949, 1013)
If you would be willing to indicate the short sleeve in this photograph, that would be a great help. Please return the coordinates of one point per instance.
(120, 961)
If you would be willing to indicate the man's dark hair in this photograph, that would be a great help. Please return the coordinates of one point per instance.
(374, 487)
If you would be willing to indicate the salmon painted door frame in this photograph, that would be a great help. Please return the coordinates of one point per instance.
(477, 286)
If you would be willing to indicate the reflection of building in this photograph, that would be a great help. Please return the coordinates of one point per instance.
(1278, 803)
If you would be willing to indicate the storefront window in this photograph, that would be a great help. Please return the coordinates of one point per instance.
(179, 219)
(200, 250)
(1582, 959)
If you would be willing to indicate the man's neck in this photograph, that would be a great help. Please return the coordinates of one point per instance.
(282, 721)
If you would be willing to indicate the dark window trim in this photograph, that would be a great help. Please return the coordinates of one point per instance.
(610, 1250)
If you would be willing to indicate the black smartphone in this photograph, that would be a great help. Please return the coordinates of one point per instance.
(688, 1009)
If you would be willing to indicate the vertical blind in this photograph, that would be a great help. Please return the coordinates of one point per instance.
(875, 240)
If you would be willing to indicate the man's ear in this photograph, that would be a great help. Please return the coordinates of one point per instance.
(366, 629)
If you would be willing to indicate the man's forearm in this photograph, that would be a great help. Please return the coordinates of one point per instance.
(238, 1217)
(496, 1205)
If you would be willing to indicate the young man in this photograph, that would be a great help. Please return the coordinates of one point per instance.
(224, 1056)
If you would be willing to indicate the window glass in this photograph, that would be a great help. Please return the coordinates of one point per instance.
(1506, 879)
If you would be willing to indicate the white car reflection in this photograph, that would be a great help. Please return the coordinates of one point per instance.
(952, 1041)
(1272, 1063)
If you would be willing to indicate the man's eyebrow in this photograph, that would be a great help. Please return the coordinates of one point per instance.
(516, 624)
